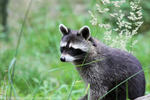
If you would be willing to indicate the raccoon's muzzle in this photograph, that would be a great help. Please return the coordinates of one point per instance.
(62, 59)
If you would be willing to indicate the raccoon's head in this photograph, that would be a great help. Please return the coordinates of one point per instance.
(74, 44)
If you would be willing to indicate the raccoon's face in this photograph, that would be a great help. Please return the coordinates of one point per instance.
(74, 45)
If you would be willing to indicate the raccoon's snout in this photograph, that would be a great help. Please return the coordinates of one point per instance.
(66, 58)
(62, 59)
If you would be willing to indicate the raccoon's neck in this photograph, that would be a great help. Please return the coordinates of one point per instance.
(86, 61)
(78, 62)
(88, 71)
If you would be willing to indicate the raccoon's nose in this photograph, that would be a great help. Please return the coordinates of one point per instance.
(62, 59)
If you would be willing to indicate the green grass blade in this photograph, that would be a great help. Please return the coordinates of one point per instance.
(9, 76)
(27, 84)
(124, 82)
(12, 75)
(73, 86)
(34, 95)
(89, 93)
(90, 62)
(58, 69)
(88, 87)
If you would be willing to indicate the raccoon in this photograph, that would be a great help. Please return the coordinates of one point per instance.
(101, 66)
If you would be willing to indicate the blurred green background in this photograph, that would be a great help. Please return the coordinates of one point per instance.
(39, 46)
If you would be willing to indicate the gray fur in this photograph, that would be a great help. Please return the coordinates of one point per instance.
(114, 67)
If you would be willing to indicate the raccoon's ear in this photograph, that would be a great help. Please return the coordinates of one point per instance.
(63, 29)
(85, 32)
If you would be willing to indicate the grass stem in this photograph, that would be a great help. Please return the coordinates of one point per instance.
(17, 48)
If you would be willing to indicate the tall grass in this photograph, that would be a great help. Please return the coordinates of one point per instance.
(13, 63)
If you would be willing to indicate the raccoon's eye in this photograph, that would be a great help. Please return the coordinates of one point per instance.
(72, 49)
(62, 49)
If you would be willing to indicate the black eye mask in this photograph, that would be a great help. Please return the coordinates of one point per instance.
(76, 52)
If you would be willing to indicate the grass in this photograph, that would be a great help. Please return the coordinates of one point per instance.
(39, 53)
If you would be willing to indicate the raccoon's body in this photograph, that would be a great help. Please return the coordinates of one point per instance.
(104, 67)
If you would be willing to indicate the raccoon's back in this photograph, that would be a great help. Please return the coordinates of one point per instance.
(121, 65)
(117, 58)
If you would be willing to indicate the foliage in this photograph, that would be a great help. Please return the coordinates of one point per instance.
(126, 8)
(126, 29)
